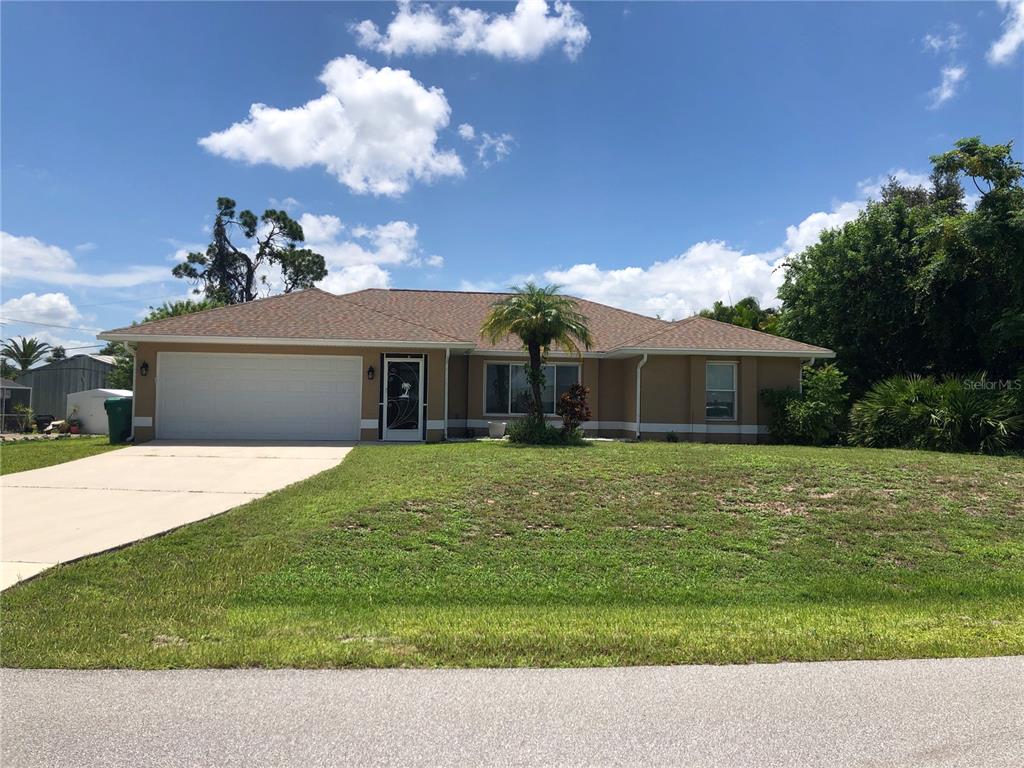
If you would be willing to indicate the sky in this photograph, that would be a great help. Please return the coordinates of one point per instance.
(652, 156)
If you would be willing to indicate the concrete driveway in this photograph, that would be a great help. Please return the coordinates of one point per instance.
(60, 513)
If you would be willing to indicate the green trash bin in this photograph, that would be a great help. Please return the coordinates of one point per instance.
(119, 418)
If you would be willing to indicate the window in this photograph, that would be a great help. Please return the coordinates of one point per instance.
(721, 391)
(507, 390)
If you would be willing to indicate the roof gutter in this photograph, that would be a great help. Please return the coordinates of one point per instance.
(639, 366)
(153, 338)
(802, 353)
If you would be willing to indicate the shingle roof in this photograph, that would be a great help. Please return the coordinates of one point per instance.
(309, 314)
(9, 384)
(703, 333)
(461, 313)
(443, 317)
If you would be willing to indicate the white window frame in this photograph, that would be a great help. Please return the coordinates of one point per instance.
(734, 390)
(513, 363)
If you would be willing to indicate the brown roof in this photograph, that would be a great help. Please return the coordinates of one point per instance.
(703, 333)
(443, 317)
(309, 314)
(461, 313)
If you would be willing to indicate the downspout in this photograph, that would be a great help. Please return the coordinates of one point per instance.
(639, 365)
(447, 357)
(135, 368)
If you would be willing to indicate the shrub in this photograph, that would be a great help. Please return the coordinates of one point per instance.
(573, 408)
(971, 414)
(814, 416)
(533, 430)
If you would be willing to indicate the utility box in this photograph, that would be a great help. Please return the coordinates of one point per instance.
(87, 407)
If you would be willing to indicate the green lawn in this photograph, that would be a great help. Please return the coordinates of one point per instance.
(21, 455)
(484, 554)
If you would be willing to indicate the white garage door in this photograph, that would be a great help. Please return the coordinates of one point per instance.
(203, 396)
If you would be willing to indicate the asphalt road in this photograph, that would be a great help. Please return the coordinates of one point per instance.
(952, 712)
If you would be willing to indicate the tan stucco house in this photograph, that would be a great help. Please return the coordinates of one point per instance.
(411, 365)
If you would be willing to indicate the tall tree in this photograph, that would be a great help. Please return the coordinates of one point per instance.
(56, 354)
(231, 274)
(917, 283)
(541, 318)
(747, 313)
(24, 352)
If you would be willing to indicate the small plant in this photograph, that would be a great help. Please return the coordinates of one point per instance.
(671, 437)
(573, 408)
(25, 417)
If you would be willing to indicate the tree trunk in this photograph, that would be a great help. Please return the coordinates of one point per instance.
(535, 367)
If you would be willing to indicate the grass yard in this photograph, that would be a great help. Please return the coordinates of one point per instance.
(22, 455)
(485, 554)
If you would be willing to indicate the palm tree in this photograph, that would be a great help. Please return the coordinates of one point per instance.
(540, 317)
(24, 352)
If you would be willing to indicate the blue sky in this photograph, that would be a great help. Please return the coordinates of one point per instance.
(654, 156)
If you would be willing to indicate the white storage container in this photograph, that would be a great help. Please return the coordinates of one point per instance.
(90, 408)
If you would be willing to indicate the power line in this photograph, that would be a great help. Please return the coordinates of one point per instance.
(12, 320)
(128, 301)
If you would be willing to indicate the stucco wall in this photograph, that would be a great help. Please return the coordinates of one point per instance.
(776, 373)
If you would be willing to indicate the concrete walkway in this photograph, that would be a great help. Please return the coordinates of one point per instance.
(60, 513)
(951, 712)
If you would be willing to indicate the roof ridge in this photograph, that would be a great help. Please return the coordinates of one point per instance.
(286, 294)
(754, 330)
(660, 331)
(341, 297)
(505, 293)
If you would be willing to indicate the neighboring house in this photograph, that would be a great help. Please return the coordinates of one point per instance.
(410, 365)
(12, 395)
(52, 383)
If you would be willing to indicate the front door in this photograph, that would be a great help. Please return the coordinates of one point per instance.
(403, 406)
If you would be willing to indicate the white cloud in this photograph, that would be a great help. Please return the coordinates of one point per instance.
(375, 130)
(952, 77)
(494, 149)
(82, 247)
(1003, 49)
(524, 34)
(20, 255)
(680, 286)
(356, 278)
(806, 233)
(939, 43)
(706, 272)
(31, 259)
(872, 187)
(491, 148)
(320, 229)
(49, 308)
(287, 204)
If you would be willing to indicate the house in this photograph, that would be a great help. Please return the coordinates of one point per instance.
(411, 365)
(52, 383)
